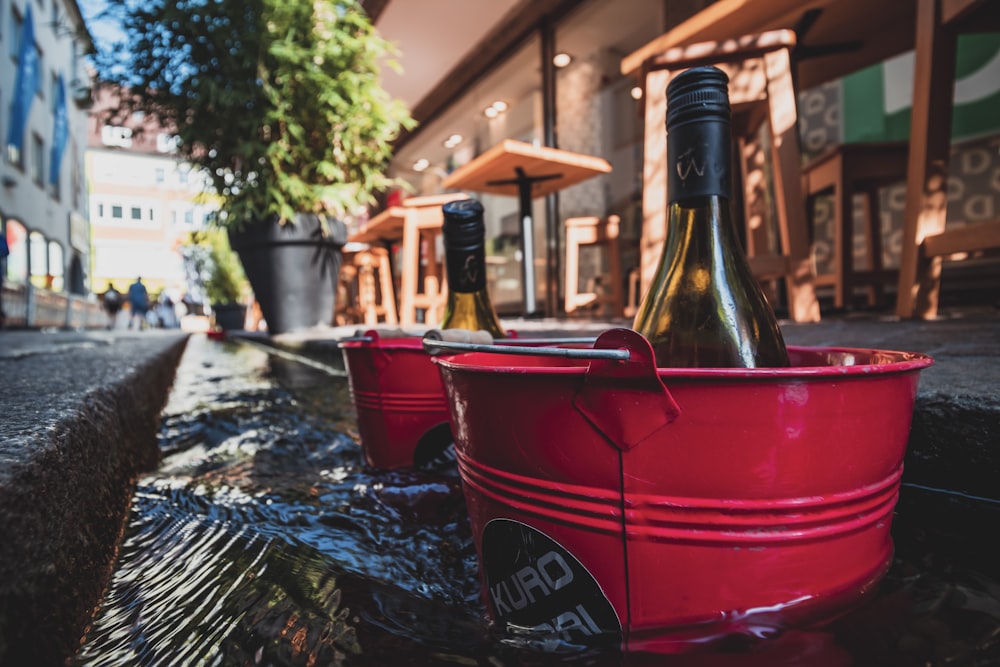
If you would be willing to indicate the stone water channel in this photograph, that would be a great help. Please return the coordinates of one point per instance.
(262, 539)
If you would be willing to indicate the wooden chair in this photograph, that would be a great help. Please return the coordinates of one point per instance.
(594, 231)
(847, 171)
(761, 90)
(926, 238)
(376, 296)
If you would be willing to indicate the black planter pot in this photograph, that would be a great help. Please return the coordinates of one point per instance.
(293, 269)
(229, 316)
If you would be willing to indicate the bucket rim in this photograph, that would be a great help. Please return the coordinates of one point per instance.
(886, 362)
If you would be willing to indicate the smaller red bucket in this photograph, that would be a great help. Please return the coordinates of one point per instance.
(397, 392)
(614, 503)
(403, 416)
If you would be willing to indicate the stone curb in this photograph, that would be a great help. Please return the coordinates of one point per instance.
(80, 422)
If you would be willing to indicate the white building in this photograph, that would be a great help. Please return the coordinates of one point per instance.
(143, 201)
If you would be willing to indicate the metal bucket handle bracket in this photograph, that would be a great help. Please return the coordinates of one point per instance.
(625, 400)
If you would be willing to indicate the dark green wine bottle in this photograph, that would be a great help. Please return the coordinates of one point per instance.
(704, 308)
(469, 305)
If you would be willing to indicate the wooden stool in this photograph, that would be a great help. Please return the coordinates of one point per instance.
(593, 231)
(761, 89)
(847, 171)
(347, 310)
(422, 220)
(376, 296)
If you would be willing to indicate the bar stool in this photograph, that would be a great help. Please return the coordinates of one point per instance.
(847, 171)
(347, 310)
(589, 231)
(761, 90)
(376, 296)
(422, 221)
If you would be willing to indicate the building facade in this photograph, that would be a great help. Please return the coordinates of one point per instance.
(144, 201)
(45, 92)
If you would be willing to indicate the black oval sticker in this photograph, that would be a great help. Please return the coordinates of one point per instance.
(540, 594)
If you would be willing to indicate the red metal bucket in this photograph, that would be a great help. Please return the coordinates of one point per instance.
(613, 502)
(400, 402)
(403, 417)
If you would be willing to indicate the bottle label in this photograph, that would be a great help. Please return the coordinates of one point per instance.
(539, 590)
(466, 269)
(699, 158)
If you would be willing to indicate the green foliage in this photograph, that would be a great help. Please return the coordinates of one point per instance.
(217, 266)
(277, 101)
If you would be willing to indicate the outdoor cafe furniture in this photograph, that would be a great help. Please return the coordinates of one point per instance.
(837, 37)
(602, 233)
(367, 295)
(761, 92)
(845, 171)
(520, 169)
(416, 223)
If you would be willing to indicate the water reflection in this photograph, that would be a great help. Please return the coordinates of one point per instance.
(262, 540)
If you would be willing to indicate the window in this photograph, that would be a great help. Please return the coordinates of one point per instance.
(38, 253)
(161, 175)
(40, 79)
(54, 89)
(136, 213)
(37, 160)
(14, 156)
(17, 260)
(55, 276)
(16, 23)
(182, 175)
(116, 212)
(114, 135)
(166, 143)
(189, 217)
(100, 210)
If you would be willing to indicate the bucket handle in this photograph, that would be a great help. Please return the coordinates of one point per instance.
(626, 402)
(442, 346)
(622, 395)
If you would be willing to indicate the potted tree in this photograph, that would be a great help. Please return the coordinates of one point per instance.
(221, 276)
(278, 102)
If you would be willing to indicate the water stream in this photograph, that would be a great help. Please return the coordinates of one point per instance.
(263, 540)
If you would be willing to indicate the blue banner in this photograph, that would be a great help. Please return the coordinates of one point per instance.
(26, 83)
(60, 131)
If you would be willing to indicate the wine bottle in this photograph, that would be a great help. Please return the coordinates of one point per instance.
(469, 306)
(704, 308)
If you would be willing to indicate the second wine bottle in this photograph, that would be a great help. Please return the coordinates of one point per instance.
(469, 305)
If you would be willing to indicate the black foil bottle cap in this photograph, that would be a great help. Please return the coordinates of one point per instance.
(698, 135)
(698, 94)
(463, 223)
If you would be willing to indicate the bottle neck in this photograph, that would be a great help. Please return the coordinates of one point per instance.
(699, 160)
(466, 268)
(469, 305)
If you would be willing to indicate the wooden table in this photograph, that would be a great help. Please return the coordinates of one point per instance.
(525, 171)
(837, 37)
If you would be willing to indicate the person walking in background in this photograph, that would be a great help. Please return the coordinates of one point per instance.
(138, 300)
(112, 301)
